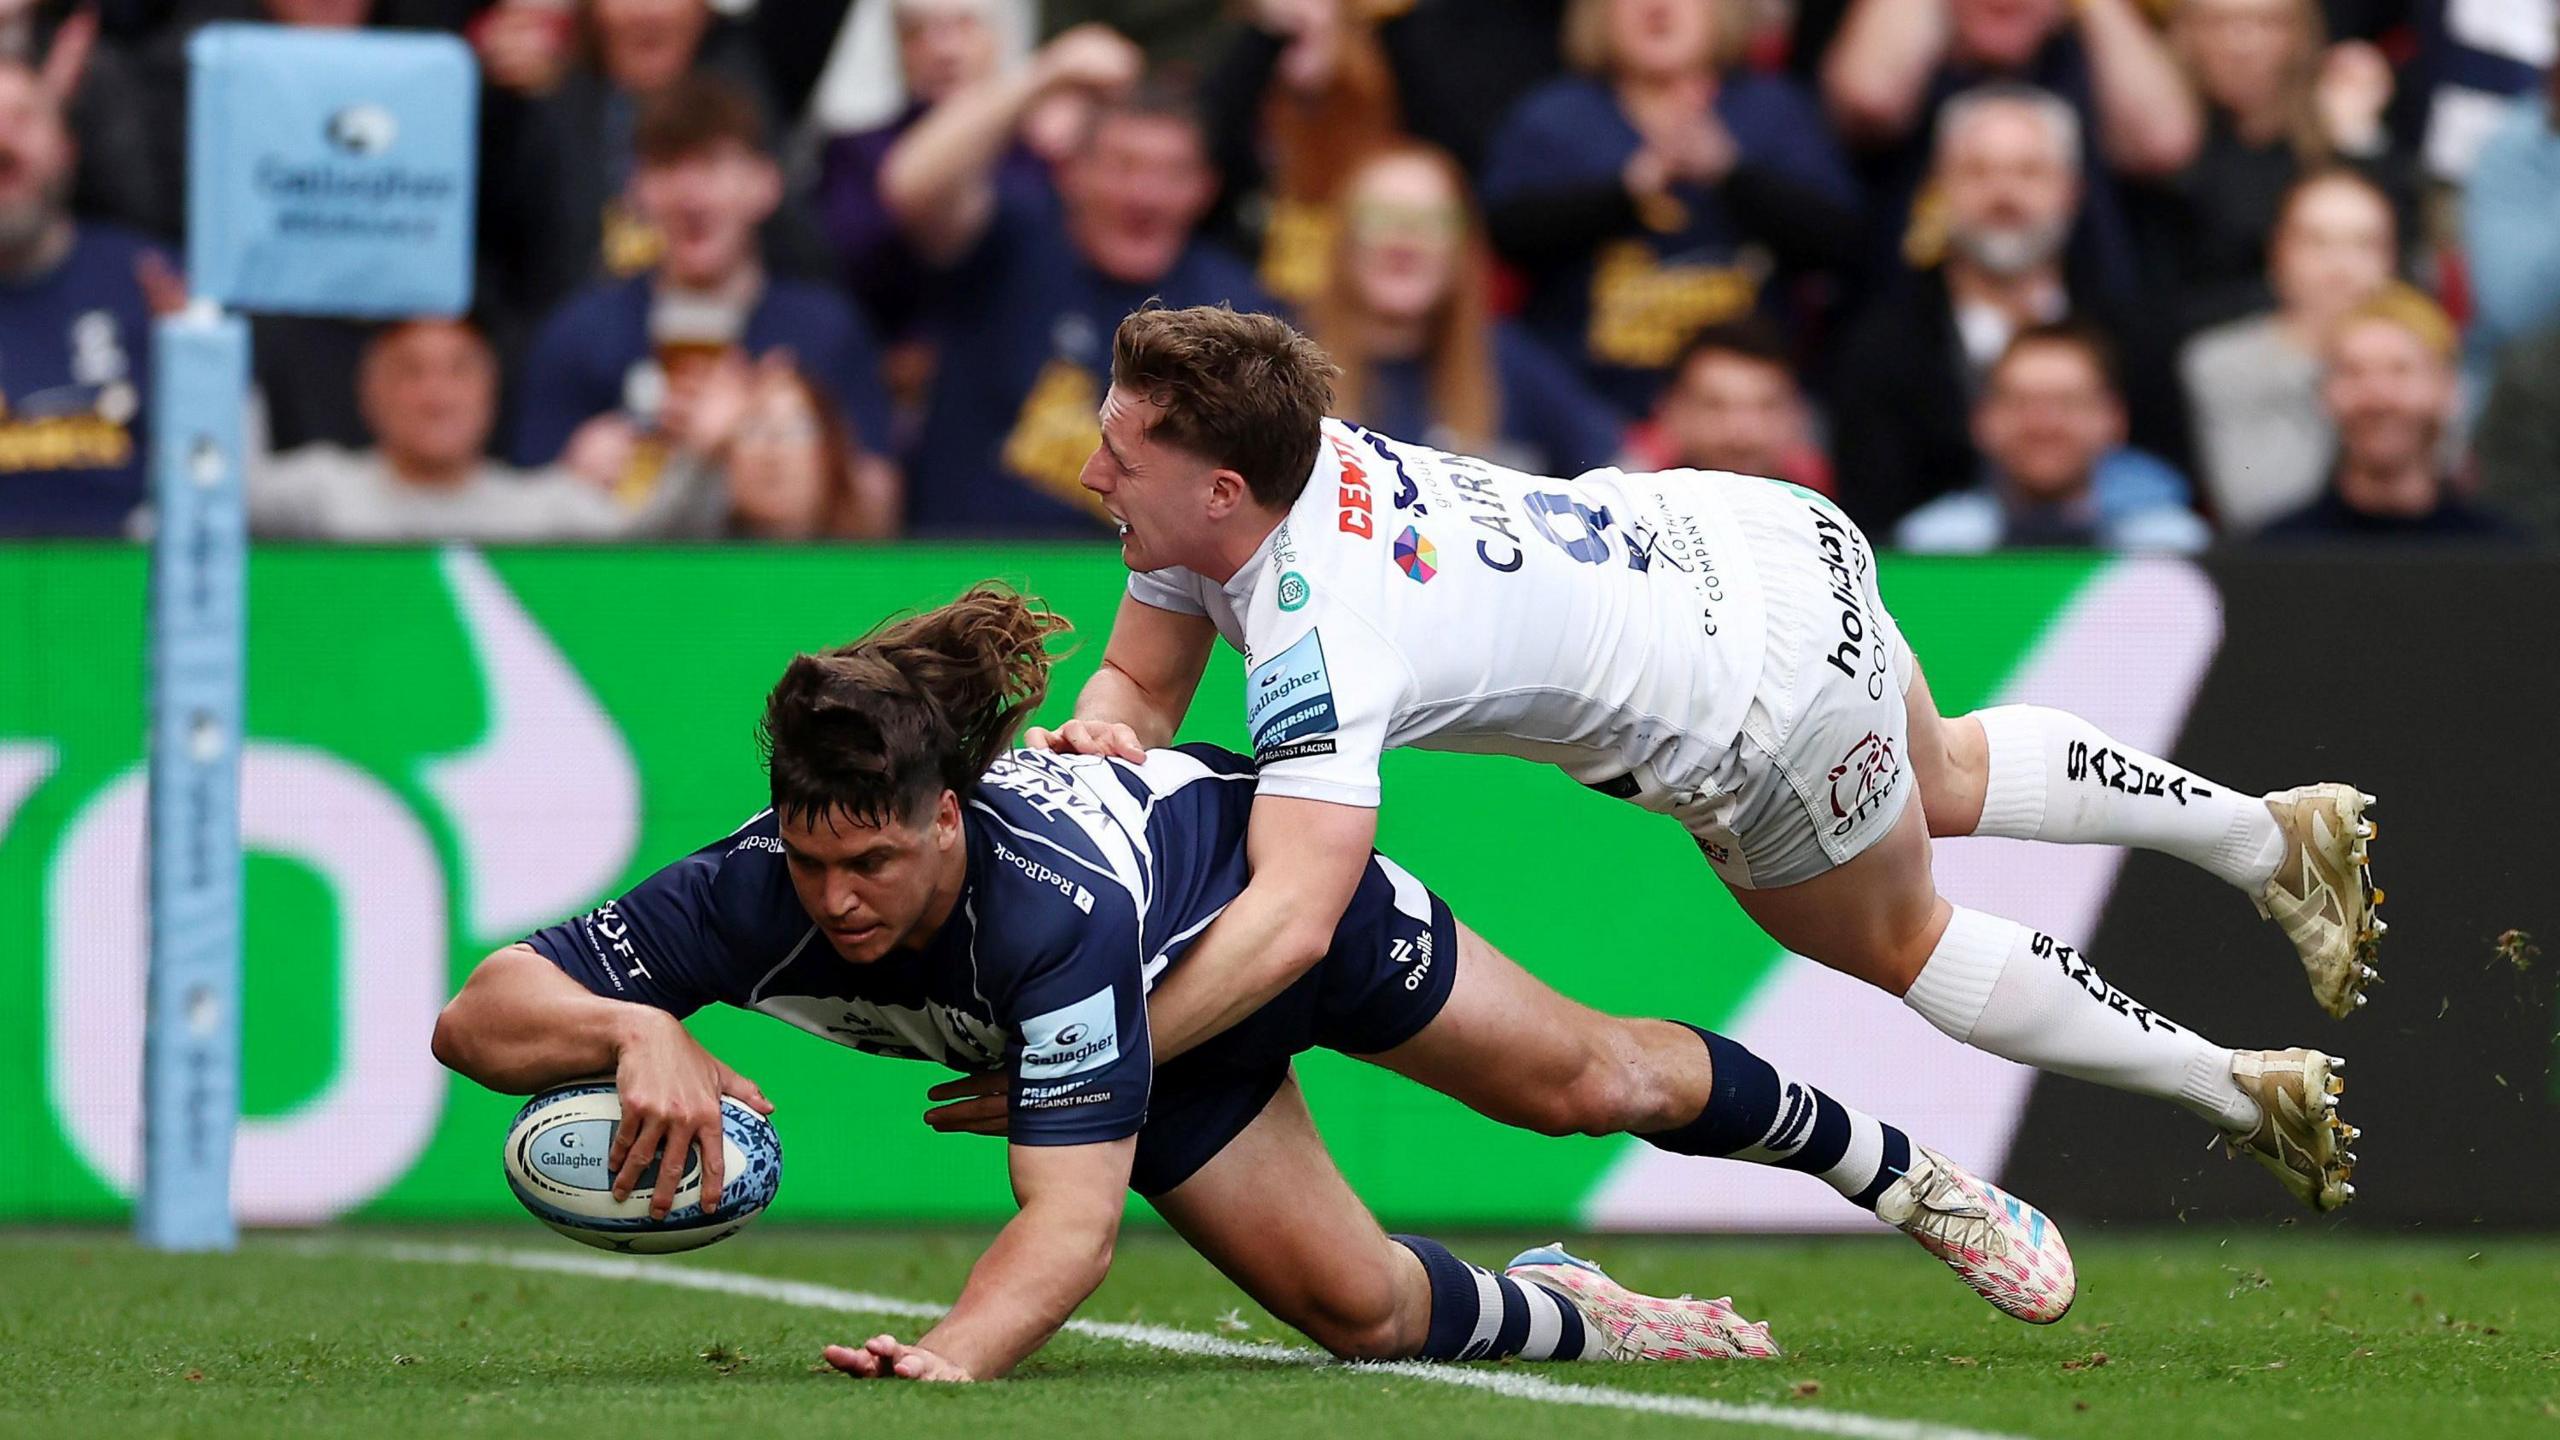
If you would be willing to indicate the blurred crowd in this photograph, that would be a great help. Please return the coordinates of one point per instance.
(2141, 274)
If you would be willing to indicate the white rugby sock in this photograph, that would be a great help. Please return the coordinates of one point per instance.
(1998, 986)
(2056, 777)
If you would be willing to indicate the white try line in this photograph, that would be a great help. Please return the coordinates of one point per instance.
(1510, 1383)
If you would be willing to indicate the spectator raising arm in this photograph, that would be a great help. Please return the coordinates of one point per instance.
(940, 179)
(2148, 119)
(1879, 67)
(1883, 65)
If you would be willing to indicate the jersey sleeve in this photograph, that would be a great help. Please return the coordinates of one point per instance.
(660, 945)
(1319, 701)
(1166, 590)
(1079, 1060)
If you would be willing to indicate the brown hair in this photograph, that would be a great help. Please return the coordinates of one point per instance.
(692, 113)
(1158, 95)
(2092, 344)
(1316, 139)
(878, 729)
(1750, 337)
(1465, 395)
(2301, 83)
(839, 448)
(1586, 35)
(1241, 389)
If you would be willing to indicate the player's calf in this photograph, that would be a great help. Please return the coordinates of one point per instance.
(1628, 1077)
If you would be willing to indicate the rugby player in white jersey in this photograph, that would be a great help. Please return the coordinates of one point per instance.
(1709, 646)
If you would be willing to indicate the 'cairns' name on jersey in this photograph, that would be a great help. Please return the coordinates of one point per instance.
(1610, 624)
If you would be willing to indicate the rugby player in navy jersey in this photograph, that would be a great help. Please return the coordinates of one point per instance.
(918, 889)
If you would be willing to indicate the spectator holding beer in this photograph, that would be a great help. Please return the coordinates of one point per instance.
(612, 362)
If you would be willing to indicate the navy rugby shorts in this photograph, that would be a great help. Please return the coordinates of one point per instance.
(1394, 958)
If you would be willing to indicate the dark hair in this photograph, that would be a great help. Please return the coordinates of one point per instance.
(692, 113)
(2087, 339)
(1241, 389)
(1752, 338)
(1159, 95)
(381, 332)
(878, 729)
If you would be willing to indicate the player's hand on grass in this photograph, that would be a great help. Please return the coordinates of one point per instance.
(1088, 737)
(882, 1357)
(976, 1106)
(671, 1089)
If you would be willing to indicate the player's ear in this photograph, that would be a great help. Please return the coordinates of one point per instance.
(946, 821)
(1228, 493)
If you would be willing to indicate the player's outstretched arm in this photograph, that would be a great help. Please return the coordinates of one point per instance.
(1307, 857)
(1136, 701)
(521, 1025)
(1043, 1264)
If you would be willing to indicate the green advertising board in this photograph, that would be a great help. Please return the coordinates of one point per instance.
(449, 748)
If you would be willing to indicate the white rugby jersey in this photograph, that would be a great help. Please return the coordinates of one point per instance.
(1610, 624)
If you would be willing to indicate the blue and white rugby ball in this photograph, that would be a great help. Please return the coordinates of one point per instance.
(556, 1159)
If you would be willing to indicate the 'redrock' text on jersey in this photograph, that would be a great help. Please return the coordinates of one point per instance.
(1611, 624)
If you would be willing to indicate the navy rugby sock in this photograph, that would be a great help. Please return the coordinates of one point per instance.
(1757, 1113)
(1478, 1315)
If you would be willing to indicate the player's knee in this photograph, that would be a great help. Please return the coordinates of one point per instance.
(1356, 1324)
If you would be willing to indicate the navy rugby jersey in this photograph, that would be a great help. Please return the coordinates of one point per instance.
(1087, 877)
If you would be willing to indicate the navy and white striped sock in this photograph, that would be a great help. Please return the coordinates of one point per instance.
(1757, 1113)
(1478, 1315)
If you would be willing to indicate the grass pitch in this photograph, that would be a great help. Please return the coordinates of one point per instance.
(2176, 1334)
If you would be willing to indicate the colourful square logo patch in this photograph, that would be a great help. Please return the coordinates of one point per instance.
(1416, 556)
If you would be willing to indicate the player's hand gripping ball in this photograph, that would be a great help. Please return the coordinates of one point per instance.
(556, 1160)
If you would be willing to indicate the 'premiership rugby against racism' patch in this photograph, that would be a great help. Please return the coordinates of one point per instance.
(1289, 698)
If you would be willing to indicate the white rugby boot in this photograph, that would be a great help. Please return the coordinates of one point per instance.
(2299, 1135)
(2322, 892)
(2000, 1245)
(1642, 1327)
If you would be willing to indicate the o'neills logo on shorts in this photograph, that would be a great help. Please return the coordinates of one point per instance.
(1862, 781)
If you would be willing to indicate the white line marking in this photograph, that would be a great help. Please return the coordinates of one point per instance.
(1511, 1384)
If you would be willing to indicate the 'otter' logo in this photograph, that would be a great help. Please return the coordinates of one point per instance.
(1862, 780)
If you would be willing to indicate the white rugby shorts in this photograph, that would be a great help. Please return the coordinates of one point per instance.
(1822, 769)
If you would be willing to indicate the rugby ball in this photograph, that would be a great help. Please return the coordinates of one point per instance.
(557, 1164)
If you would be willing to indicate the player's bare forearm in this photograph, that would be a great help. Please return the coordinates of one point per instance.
(1150, 670)
(1045, 1261)
(1114, 697)
(520, 1025)
(1307, 857)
